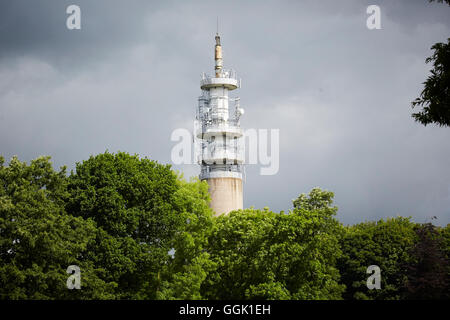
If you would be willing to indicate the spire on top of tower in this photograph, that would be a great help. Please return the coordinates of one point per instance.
(218, 53)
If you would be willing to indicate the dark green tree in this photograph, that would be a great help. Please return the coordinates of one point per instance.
(383, 243)
(445, 234)
(427, 272)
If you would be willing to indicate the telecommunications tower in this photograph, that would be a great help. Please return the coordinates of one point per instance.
(220, 148)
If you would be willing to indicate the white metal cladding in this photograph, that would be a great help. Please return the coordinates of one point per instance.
(220, 174)
(224, 172)
(228, 83)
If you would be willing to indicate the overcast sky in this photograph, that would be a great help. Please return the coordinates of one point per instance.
(339, 93)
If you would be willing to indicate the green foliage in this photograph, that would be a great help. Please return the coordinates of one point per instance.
(38, 240)
(126, 196)
(265, 255)
(191, 263)
(143, 210)
(383, 243)
(435, 97)
(116, 218)
(137, 230)
(131, 200)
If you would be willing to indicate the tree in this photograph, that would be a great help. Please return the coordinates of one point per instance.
(143, 211)
(427, 272)
(39, 240)
(137, 230)
(445, 234)
(383, 243)
(435, 97)
(264, 255)
(117, 217)
(191, 263)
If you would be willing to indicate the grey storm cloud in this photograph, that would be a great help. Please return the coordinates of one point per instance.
(339, 93)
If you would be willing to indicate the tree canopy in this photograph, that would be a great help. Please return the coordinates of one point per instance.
(265, 255)
(139, 230)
